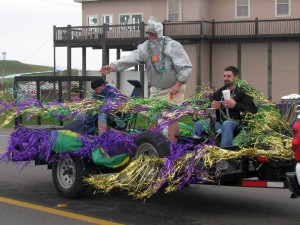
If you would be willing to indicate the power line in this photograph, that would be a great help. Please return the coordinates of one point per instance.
(37, 49)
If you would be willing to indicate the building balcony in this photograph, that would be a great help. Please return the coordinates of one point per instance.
(128, 36)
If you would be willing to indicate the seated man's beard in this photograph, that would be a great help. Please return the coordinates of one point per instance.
(230, 83)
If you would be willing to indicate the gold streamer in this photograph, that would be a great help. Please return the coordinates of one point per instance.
(143, 177)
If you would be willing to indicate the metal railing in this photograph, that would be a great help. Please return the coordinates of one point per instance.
(48, 89)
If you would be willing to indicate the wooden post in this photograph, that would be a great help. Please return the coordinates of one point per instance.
(83, 61)
(54, 53)
(210, 61)
(198, 63)
(83, 87)
(256, 26)
(213, 28)
(270, 70)
(239, 58)
(118, 77)
(142, 67)
(69, 52)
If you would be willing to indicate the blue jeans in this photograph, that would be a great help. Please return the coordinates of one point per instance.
(227, 128)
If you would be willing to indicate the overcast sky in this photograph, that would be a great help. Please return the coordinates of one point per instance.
(27, 32)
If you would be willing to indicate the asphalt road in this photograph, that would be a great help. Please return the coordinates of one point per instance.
(193, 205)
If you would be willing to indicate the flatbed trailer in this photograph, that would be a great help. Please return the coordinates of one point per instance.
(69, 173)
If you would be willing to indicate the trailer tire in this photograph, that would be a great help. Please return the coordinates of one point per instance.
(154, 145)
(67, 175)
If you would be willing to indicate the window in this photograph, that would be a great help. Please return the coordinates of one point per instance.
(242, 9)
(107, 20)
(136, 19)
(124, 21)
(175, 10)
(92, 21)
(127, 19)
(283, 7)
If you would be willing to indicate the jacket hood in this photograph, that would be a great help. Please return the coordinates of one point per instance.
(154, 26)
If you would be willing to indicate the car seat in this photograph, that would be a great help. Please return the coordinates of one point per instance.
(138, 88)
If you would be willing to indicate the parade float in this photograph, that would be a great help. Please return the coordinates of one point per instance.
(139, 159)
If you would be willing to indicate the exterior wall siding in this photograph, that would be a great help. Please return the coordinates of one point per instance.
(254, 65)
(253, 56)
(285, 71)
(157, 8)
(223, 55)
(224, 10)
(191, 84)
(205, 62)
(195, 10)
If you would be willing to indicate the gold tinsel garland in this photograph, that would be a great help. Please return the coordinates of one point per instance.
(146, 175)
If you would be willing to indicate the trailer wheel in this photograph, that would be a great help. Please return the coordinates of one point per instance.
(67, 176)
(154, 145)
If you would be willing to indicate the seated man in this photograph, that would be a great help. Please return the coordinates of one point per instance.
(229, 111)
(89, 122)
(103, 91)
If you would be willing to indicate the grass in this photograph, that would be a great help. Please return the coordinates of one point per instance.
(8, 67)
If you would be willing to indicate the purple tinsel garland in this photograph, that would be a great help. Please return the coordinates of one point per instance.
(31, 144)
(27, 144)
(114, 143)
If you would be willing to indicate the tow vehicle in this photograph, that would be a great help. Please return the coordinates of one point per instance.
(293, 178)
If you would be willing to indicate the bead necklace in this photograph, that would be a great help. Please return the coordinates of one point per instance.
(155, 60)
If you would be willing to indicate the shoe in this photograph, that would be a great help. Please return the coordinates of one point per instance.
(196, 137)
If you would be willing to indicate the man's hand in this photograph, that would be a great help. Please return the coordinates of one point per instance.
(176, 88)
(106, 70)
(216, 104)
(229, 103)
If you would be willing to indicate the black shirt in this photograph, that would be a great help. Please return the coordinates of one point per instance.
(244, 103)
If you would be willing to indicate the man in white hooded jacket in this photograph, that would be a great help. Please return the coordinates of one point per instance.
(168, 67)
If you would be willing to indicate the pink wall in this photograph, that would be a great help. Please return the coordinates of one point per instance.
(285, 69)
(157, 8)
(219, 10)
(262, 9)
(191, 84)
(195, 9)
(205, 61)
(223, 55)
(222, 10)
(254, 56)
(254, 65)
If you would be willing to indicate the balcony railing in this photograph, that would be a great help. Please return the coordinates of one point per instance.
(192, 30)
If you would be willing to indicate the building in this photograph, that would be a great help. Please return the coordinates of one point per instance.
(262, 38)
